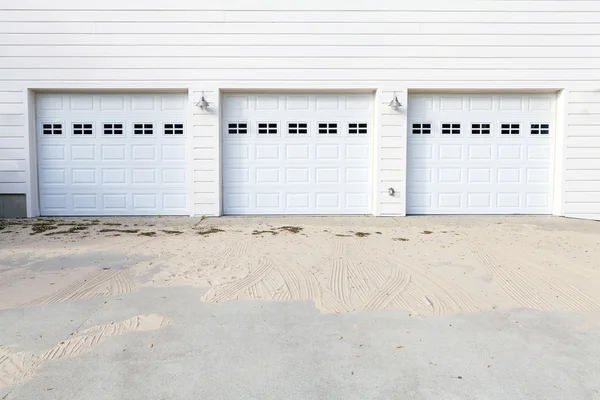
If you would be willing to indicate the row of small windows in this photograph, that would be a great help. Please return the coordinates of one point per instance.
(298, 128)
(115, 129)
(481, 129)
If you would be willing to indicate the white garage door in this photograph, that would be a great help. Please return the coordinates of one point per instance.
(297, 154)
(480, 154)
(112, 154)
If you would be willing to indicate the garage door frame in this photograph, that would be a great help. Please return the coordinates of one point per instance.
(561, 101)
(375, 98)
(32, 126)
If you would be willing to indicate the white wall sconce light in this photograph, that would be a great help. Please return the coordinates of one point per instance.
(395, 104)
(203, 104)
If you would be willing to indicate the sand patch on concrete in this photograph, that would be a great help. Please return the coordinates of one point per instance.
(461, 265)
(18, 367)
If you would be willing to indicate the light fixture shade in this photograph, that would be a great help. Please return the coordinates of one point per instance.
(395, 104)
(203, 104)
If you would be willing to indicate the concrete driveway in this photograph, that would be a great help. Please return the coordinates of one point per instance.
(300, 308)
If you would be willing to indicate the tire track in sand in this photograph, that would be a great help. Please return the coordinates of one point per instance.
(513, 285)
(230, 291)
(441, 296)
(18, 367)
(396, 284)
(97, 284)
(338, 280)
(375, 274)
(97, 334)
(435, 293)
(531, 287)
(310, 288)
(570, 296)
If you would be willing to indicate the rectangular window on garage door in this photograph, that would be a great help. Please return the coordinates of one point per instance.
(481, 129)
(325, 129)
(82, 129)
(144, 129)
(267, 129)
(421, 128)
(237, 128)
(358, 128)
(113, 129)
(510, 129)
(539, 129)
(52, 129)
(173, 129)
(297, 128)
(451, 128)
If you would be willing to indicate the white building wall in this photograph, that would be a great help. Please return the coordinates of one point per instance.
(382, 45)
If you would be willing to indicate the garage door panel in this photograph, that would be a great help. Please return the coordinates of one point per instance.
(108, 167)
(84, 176)
(83, 152)
(480, 154)
(479, 175)
(113, 176)
(297, 152)
(317, 161)
(144, 201)
(298, 202)
(53, 176)
(267, 152)
(268, 201)
(57, 201)
(174, 176)
(52, 152)
(109, 152)
(450, 175)
(85, 202)
(299, 175)
(479, 200)
(143, 176)
(510, 152)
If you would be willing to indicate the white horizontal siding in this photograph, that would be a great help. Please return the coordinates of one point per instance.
(13, 165)
(582, 155)
(277, 15)
(269, 44)
(285, 62)
(396, 52)
(299, 28)
(296, 74)
(326, 5)
(305, 39)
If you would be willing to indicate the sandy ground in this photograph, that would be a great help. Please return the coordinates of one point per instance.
(417, 268)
